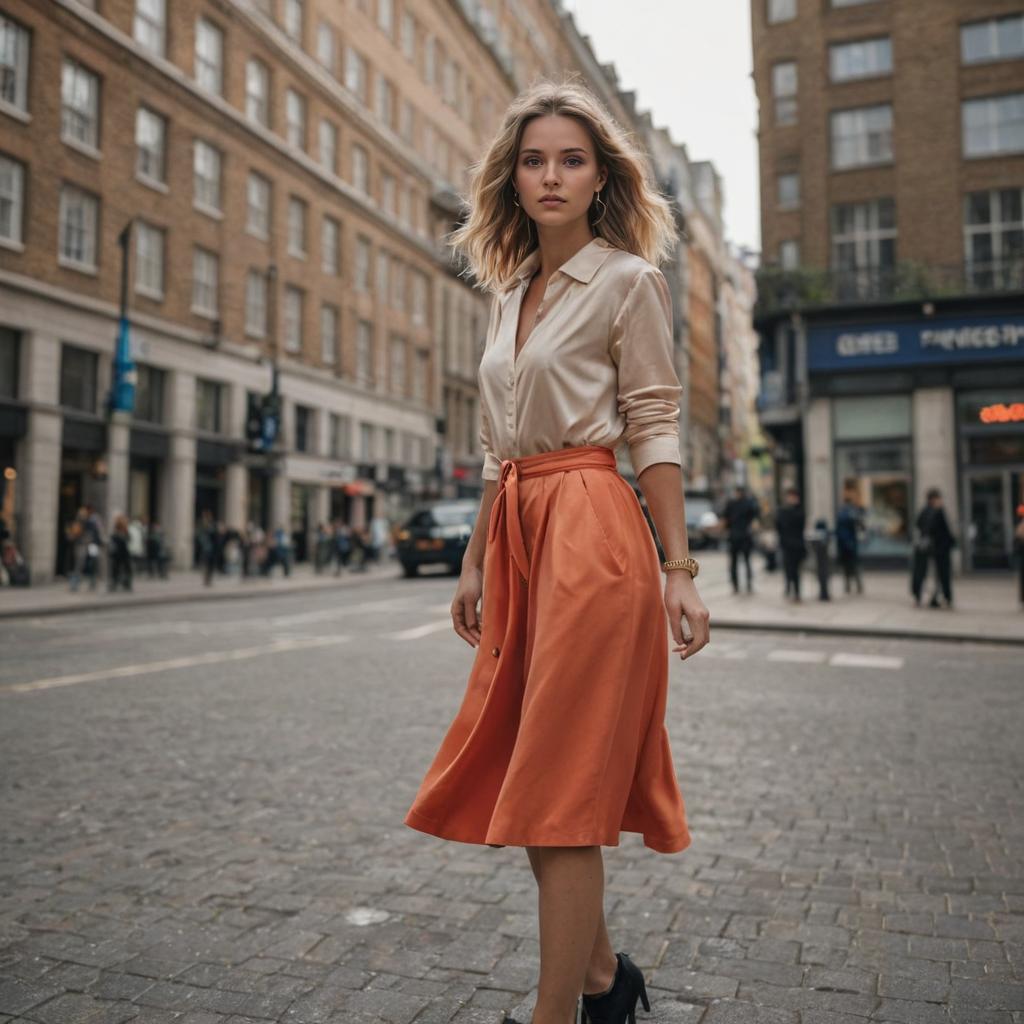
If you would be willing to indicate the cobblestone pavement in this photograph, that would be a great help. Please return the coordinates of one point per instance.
(201, 822)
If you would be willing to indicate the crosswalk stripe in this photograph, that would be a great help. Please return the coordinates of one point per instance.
(866, 661)
(803, 657)
(419, 631)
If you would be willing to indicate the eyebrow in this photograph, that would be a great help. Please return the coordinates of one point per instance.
(571, 149)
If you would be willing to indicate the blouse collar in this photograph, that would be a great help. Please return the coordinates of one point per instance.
(582, 265)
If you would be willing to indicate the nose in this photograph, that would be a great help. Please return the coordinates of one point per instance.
(551, 175)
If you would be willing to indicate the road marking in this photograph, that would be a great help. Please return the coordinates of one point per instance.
(865, 661)
(146, 668)
(419, 631)
(805, 657)
(337, 611)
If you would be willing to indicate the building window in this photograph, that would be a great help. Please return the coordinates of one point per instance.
(293, 19)
(209, 56)
(405, 206)
(385, 100)
(328, 146)
(303, 428)
(383, 275)
(149, 394)
(257, 220)
(366, 445)
(12, 201)
(861, 137)
(150, 25)
(355, 73)
(408, 34)
(789, 254)
(361, 169)
(80, 105)
(295, 116)
(407, 122)
(14, 57)
(994, 125)
(784, 83)
(389, 444)
(387, 193)
(420, 373)
(995, 39)
(873, 458)
(79, 216)
(994, 237)
(781, 10)
(362, 279)
(386, 16)
(78, 369)
(206, 176)
(205, 277)
(788, 190)
(209, 399)
(256, 304)
(864, 59)
(364, 353)
(329, 334)
(257, 92)
(398, 286)
(851, 3)
(150, 146)
(149, 260)
(863, 248)
(430, 61)
(297, 211)
(330, 247)
(397, 381)
(419, 299)
(325, 46)
(293, 302)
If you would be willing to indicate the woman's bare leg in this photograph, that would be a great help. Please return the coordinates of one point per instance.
(570, 885)
(603, 964)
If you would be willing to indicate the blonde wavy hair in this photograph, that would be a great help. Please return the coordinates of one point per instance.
(497, 235)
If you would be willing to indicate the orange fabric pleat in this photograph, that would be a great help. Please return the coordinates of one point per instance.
(560, 738)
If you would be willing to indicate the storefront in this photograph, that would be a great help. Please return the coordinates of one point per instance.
(83, 478)
(148, 452)
(934, 401)
(991, 446)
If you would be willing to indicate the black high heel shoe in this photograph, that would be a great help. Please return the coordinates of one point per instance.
(618, 1004)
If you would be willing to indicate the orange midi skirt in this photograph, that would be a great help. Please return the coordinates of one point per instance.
(560, 738)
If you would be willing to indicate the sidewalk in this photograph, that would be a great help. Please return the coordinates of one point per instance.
(986, 610)
(986, 607)
(182, 586)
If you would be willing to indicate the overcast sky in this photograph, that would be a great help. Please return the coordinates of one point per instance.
(689, 62)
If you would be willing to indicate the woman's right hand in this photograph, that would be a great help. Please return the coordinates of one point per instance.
(464, 605)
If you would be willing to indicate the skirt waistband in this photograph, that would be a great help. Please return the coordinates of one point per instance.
(562, 459)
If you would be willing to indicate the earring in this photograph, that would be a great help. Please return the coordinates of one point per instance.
(604, 207)
(516, 199)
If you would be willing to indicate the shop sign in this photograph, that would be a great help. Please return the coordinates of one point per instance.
(920, 342)
(1002, 412)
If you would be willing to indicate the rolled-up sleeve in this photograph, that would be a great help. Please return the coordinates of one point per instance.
(648, 386)
(492, 464)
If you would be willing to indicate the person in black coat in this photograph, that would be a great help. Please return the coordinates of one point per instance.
(934, 543)
(740, 514)
(790, 524)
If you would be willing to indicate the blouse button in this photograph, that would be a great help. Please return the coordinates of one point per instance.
(495, 651)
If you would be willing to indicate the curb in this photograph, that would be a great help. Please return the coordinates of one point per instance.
(817, 629)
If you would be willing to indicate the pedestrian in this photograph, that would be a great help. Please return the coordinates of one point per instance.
(849, 527)
(323, 551)
(342, 545)
(559, 744)
(280, 551)
(740, 514)
(156, 551)
(819, 545)
(933, 546)
(206, 538)
(120, 555)
(790, 524)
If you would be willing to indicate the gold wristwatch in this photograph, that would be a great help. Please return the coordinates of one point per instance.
(691, 565)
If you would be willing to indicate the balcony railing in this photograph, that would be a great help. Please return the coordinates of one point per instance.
(784, 290)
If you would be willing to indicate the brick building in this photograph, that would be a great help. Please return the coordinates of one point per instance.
(290, 169)
(891, 299)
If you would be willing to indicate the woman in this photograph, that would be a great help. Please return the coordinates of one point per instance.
(560, 741)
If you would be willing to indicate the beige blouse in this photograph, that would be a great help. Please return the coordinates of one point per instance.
(596, 369)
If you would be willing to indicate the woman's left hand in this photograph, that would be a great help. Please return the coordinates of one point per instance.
(683, 601)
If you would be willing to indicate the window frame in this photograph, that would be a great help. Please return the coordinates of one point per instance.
(863, 137)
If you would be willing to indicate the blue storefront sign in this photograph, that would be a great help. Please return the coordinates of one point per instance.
(924, 342)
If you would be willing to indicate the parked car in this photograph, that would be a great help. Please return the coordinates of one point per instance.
(703, 527)
(437, 535)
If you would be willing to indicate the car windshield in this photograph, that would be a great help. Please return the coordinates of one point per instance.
(453, 516)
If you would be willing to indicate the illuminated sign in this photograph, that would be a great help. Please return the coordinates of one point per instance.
(1002, 412)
